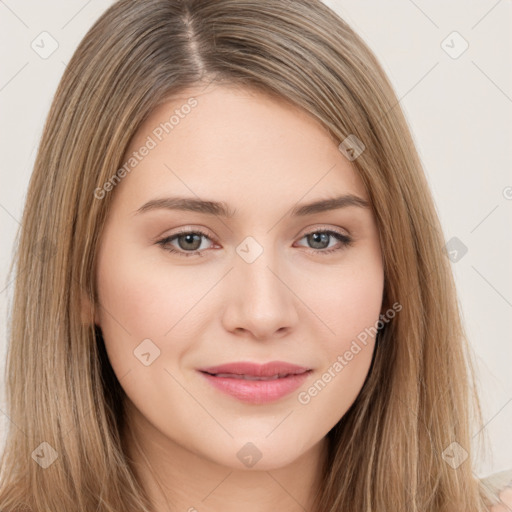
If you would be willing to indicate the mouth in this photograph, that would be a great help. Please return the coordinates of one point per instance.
(252, 377)
(254, 383)
(272, 369)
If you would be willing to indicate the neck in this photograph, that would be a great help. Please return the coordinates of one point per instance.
(177, 479)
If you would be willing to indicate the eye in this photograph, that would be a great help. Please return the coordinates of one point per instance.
(189, 242)
(321, 237)
(186, 240)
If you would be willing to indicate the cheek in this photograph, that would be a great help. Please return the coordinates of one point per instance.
(349, 303)
(351, 308)
(136, 302)
(356, 306)
(347, 299)
(142, 295)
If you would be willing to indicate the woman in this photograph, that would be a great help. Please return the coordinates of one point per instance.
(305, 351)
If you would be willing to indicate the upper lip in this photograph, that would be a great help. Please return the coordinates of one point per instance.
(269, 369)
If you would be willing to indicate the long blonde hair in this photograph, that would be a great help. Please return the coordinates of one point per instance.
(388, 451)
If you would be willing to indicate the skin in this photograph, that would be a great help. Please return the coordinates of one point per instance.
(505, 497)
(262, 157)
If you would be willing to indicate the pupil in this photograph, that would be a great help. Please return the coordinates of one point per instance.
(317, 238)
(189, 239)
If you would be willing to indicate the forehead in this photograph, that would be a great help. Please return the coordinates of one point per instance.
(227, 142)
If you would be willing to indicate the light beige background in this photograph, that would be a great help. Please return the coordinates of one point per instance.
(459, 109)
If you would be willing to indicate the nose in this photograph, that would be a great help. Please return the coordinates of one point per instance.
(261, 301)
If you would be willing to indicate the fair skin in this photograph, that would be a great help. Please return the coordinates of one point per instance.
(293, 303)
(505, 498)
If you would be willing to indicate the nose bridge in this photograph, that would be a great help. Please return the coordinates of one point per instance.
(256, 266)
(261, 301)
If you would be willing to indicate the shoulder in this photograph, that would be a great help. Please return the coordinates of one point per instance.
(499, 490)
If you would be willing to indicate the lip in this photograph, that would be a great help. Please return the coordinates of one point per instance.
(281, 379)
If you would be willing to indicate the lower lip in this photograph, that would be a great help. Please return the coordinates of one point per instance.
(257, 391)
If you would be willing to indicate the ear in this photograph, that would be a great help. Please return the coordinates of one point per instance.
(87, 310)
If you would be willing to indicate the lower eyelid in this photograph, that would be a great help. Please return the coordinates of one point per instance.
(344, 241)
(166, 241)
(333, 234)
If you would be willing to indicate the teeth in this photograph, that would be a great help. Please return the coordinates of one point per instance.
(250, 377)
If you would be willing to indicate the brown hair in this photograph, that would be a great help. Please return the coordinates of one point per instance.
(386, 452)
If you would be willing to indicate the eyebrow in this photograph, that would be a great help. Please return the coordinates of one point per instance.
(221, 209)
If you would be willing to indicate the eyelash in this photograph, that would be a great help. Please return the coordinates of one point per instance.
(345, 240)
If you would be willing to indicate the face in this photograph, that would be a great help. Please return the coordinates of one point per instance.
(210, 257)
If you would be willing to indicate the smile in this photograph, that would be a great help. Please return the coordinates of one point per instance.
(256, 390)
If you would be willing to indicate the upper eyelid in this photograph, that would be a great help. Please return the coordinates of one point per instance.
(305, 231)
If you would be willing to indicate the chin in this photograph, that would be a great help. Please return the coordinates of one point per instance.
(260, 453)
